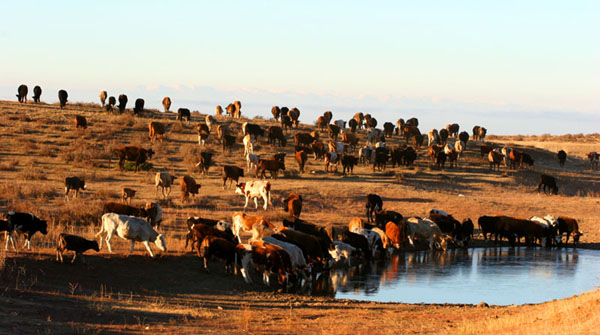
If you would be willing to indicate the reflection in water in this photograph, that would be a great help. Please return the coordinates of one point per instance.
(500, 276)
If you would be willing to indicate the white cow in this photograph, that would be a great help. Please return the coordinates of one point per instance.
(548, 222)
(164, 180)
(460, 147)
(296, 254)
(438, 211)
(248, 145)
(426, 230)
(130, 228)
(373, 134)
(331, 160)
(342, 251)
(255, 189)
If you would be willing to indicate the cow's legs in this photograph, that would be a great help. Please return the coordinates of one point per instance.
(108, 237)
(147, 245)
(246, 204)
(266, 201)
(256, 203)
(132, 246)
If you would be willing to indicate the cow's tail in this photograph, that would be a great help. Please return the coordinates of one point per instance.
(268, 188)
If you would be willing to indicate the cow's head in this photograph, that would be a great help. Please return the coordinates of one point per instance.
(150, 152)
(94, 246)
(240, 188)
(43, 226)
(160, 242)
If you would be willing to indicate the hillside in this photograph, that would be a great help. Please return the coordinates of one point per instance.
(40, 147)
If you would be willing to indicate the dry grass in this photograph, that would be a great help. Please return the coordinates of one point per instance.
(42, 148)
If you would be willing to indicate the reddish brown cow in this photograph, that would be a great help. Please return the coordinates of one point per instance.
(272, 165)
(396, 233)
(350, 139)
(133, 153)
(80, 122)
(293, 205)
(156, 130)
(321, 123)
(301, 158)
(593, 157)
(276, 133)
(188, 185)
(495, 158)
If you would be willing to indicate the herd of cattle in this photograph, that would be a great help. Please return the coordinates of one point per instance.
(296, 249)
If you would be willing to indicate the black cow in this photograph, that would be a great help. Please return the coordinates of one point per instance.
(232, 173)
(205, 161)
(562, 157)
(73, 183)
(382, 217)
(348, 162)
(62, 98)
(183, 114)
(37, 93)
(357, 241)
(253, 130)
(122, 102)
(22, 93)
(25, 223)
(139, 106)
(374, 203)
(548, 182)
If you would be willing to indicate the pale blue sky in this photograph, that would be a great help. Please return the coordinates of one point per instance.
(442, 61)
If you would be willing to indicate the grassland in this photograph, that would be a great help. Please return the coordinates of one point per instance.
(128, 294)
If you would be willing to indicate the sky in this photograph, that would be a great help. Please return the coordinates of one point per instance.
(516, 67)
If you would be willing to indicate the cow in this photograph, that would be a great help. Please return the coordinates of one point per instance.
(309, 243)
(127, 194)
(433, 137)
(479, 133)
(494, 158)
(443, 136)
(400, 127)
(238, 109)
(248, 142)
(188, 185)
(328, 116)
(228, 142)
(233, 173)
(122, 102)
(384, 216)
(111, 104)
(352, 124)
(548, 182)
(410, 131)
(156, 130)
(286, 122)
(331, 161)
(380, 158)
(274, 259)
(303, 139)
(205, 161)
(255, 189)
(350, 139)
(460, 147)
(75, 243)
(333, 131)
(358, 242)
(549, 225)
(464, 137)
(210, 121)
(296, 255)
(275, 133)
(183, 114)
(426, 230)
(62, 98)
(221, 131)
(301, 158)
(562, 157)
(447, 223)
(374, 203)
(203, 132)
(569, 226)
(485, 149)
(37, 94)
(321, 123)
(271, 165)
(80, 122)
(164, 180)
(139, 106)
(359, 118)
(103, 96)
(166, 102)
(133, 153)
(373, 238)
(434, 150)
(388, 129)
(26, 223)
(218, 110)
(489, 225)
(293, 205)
(396, 233)
(413, 122)
(526, 159)
(440, 159)
(466, 229)
(199, 228)
(253, 130)
(130, 228)
(341, 124)
(373, 135)
(453, 129)
(153, 214)
(318, 149)
(241, 222)
(22, 93)
(320, 233)
(230, 110)
(252, 161)
(220, 248)
(276, 112)
(516, 157)
(115, 207)
(337, 147)
(294, 115)
(348, 162)
(73, 183)
(594, 157)
(506, 154)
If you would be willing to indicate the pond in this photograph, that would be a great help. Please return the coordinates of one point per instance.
(499, 276)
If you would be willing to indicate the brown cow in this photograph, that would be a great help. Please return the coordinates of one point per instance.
(276, 133)
(396, 233)
(495, 158)
(569, 226)
(301, 158)
(293, 204)
(410, 131)
(115, 207)
(156, 130)
(434, 150)
(294, 114)
(272, 165)
(203, 132)
(276, 112)
(80, 121)
(228, 142)
(127, 194)
(350, 139)
(333, 131)
(238, 109)
(188, 185)
(220, 248)
(166, 102)
(233, 173)
(218, 110)
(453, 129)
(135, 154)
(328, 115)
(485, 150)
(321, 123)
(594, 157)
